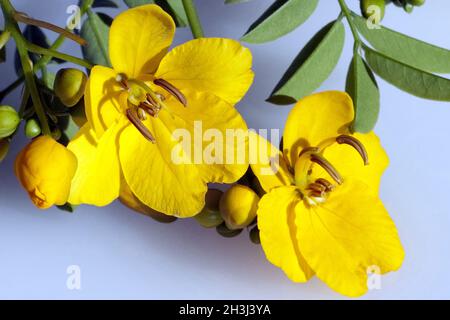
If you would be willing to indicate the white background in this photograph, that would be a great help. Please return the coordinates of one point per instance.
(125, 255)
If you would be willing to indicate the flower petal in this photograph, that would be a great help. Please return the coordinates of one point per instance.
(219, 66)
(316, 118)
(97, 180)
(139, 38)
(268, 164)
(348, 235)
(276, 222)
(350, 164)
(102, 99)
(218, 135)
(154, 177)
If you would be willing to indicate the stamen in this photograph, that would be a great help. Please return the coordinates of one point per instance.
(134, 119)
(172, 90)
(327, 166)
(142, 115)
(317, 187)
(308, 149)
(148, 108)
(123, 80)
(153, 102)
(356, 144)
(327, 184)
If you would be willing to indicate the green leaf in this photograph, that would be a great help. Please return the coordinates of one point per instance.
(96, 32)
(135, 3)
(410, 79)
(235, 1)
(282, 17)
(104, 4)
(312, 66)
(406, 49)
(362, 87)
(176, 10)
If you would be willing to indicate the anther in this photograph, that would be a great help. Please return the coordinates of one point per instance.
(172, 90)
(142, 115)
(148, 108)
(317, 187)
(327, 184)
(134, 119)
(356, 144)
(327, 166)
(308, 149)
(152, 101)
(122, 79)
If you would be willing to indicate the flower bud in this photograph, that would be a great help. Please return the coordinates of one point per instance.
(69, 86)
(45, 169)
(9, 120)
(128, 199)
(32, 128)
(238, 206)
(210, 216)
(4, 147)
(369, 8)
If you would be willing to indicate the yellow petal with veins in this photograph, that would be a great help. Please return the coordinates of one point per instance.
(218, 135)
(139, 38)
(347, 236)
(165, 184)
(218, 66)
(97, 180)
(316, 118)
(268, 164)
(102, 99)
(276, 222)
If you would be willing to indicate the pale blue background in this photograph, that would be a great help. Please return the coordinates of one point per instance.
(126, 255)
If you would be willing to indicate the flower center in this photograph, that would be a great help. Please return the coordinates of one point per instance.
(317, 191)
(143, 101)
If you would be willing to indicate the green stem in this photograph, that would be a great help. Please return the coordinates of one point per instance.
(11, 25)
(194, 21)
(52, 53)
(348, 16)
(44, 60)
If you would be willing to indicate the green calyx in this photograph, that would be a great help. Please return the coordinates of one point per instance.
(210, 216)
(9, 120)
(32, 128)
(70, 85)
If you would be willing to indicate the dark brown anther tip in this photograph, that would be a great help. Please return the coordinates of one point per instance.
(356, 144)
(327, 166)
(172, 90)
(134, 119)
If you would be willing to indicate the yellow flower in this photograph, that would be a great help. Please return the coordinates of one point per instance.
(134, 108)
(45, 169)
(322, 214)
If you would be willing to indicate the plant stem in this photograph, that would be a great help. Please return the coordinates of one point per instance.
(11, 25)
(60, 40)
(52, 53)
(348, 16)
(194, 21)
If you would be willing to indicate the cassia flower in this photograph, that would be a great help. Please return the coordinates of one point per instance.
(133, 109)
(322, 214)
(45, 169)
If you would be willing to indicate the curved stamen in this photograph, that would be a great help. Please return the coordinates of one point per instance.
(134, 119)
(308, 149)
(327, 184)
(172, 90)
(356, 144)
(327, 166)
